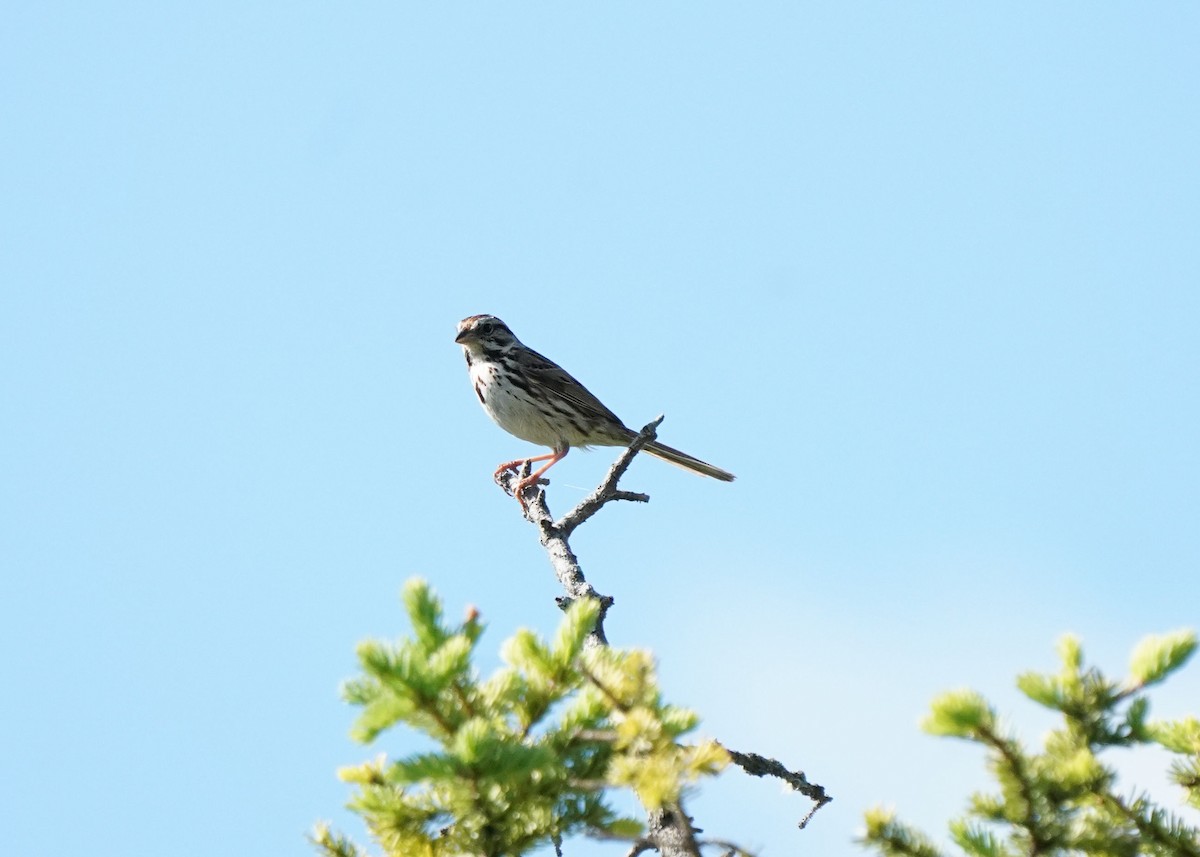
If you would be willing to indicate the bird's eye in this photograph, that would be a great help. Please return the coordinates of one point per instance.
(486, 328)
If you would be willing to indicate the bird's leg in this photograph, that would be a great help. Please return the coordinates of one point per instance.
(513, 465)
(532, 479)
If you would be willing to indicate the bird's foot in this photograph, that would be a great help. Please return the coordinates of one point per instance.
(518, 489)
(508, 467)
(514, 482)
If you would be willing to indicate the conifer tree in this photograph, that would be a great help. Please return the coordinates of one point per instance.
(1064, 800)
(532, 754)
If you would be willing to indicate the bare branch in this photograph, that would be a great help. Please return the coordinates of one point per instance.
(730, 849)
(761, 766)
(554, 535)
(670, 830)
(607, 490)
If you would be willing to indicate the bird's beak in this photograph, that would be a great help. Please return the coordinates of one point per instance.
(463, 336)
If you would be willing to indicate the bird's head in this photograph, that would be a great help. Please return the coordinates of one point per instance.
(484, 333)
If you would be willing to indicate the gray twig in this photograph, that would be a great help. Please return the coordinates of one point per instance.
(555, 535)
(607, 489)
(671, 830)
(729, 849)
(761, 766)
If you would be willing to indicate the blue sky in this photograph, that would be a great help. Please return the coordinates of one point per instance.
(925, 276)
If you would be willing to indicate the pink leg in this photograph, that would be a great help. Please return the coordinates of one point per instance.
(532, 478)
(513, 465)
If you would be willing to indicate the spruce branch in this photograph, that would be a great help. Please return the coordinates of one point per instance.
(1155, 826)
(1062, 799)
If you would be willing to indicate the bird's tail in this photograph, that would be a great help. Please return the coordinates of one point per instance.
(682, 459)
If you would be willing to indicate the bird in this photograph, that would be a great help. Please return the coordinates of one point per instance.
(536, 400)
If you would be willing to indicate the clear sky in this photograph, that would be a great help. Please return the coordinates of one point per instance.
(925, 276)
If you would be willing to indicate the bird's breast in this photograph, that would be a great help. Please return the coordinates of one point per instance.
(513, 403)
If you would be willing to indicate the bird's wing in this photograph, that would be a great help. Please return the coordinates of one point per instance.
(560, 382)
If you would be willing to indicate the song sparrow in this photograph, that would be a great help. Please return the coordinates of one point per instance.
(535, 399)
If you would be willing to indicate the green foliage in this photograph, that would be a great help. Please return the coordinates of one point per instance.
(1158, 656)
(1063, 799)
(521, 759)
(959, 714)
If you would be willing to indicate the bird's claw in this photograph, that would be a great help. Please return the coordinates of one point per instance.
(503, 469)
(519, 490)
(509, 477)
